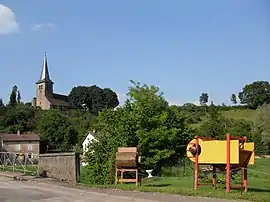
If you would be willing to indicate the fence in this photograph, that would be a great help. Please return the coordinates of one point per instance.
(183, 168)
(26, 163)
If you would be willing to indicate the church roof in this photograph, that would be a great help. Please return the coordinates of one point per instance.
(45, 77)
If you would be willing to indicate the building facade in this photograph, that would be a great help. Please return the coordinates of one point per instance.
(17, 143)
(45, 97)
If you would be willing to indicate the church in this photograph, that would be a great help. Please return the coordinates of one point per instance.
(45, 97)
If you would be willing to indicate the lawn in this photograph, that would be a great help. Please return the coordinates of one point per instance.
(258, 185)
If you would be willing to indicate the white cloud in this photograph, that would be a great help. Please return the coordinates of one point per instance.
(38, 27)
(8, 23)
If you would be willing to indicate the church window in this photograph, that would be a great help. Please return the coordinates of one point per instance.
(40, 87)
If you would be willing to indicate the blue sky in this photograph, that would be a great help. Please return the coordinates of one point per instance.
(184, 47)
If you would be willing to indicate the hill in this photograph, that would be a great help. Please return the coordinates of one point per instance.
(246, 114)
(236, 114)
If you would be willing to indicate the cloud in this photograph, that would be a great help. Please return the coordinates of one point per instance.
(38, 27)
(8, 23)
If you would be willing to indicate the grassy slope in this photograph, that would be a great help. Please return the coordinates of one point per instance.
(245, 114)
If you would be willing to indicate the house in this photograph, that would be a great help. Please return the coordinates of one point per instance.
(45, 97)
(20, 143)
(87, 141)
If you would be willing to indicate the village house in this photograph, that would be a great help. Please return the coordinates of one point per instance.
(20, 143)
(86, 143)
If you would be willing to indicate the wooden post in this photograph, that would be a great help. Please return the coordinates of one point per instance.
(196, 165)
(228, 163)
(116, 176)
(137, 177)
(245, 178)
(214, 178)
(122, 176)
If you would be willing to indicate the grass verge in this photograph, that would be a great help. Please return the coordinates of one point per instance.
(258, 185)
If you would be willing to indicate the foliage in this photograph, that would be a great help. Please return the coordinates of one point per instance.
(262, 127)
(145, 121)
(234, 99)
(19, 97)
(214, 126)
(57, 130)
(255, 94)
(203, 99)
(13, 96)
(93, 98)
(82, 122)
(1, 103)
(20, 118)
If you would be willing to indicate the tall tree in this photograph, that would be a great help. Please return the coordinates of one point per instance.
(145, 120)
(56, 128)
(1, 103)
(19, 97)
(203, 99)
(93, 98)
(19, 117)
(214, 126)
(234, 99)
(13, 96)
(255, 94)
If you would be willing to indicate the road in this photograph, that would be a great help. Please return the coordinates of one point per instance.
(38, 191)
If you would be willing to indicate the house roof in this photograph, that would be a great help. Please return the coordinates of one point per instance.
(58, 100)
(89, 137)
(15, 137)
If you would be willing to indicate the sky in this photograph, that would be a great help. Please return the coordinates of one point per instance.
(185, 47)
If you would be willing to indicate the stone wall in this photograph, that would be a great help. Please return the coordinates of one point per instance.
(60, 166)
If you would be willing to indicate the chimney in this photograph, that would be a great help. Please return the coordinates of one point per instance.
(18, 132)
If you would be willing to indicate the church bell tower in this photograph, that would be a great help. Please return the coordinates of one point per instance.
(44, 87)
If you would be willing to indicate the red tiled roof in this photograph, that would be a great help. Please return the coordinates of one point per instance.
(15, 137)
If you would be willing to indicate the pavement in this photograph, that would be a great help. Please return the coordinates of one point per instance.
(34, 190)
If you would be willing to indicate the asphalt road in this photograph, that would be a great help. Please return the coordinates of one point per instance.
(38, 191)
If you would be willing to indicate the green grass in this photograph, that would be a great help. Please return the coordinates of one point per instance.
(246, 114)
(258, 185)
(27, 170)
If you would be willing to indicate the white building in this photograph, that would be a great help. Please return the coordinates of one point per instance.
(86, 143)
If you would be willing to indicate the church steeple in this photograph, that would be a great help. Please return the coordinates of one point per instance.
(45, 77)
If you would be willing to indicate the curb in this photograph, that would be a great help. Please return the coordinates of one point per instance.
(15, 177)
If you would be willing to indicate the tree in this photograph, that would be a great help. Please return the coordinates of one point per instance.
(19, 97)
(1, 103)
(234, 99)
(214, 126)
(145, 120)
(82, 121)
(19, 117)
(55, 128)
(110, 98)
(203, 99)
(255, 94)
(93, 98)
(262, 127)
(13, 96)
